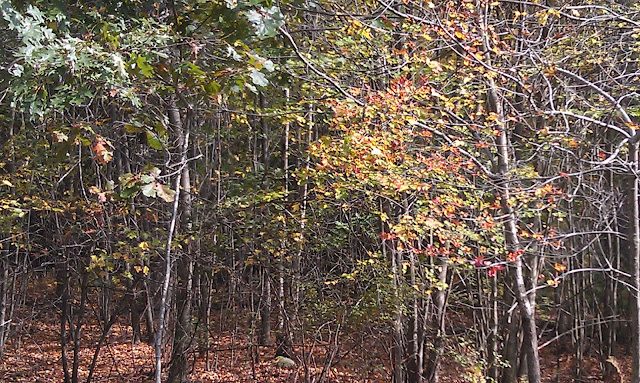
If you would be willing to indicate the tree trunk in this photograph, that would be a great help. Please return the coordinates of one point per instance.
(282, 336)
(414, 363)
(634, 250)
(62, 294)
(398, 336)
(492, 338)
(514, 247)
(432, 370)
(264, 337)
(174, 118)
(184, 266)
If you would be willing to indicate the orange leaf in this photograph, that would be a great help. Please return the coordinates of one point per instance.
(101, 154)
(559, 267)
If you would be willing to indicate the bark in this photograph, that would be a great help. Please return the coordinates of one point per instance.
(184, 266)
(62, 293)
(264, 338)
(281, 336)
(492, 338)
(514, 247)
(75, 330)
(432, 370)
(6, 314)
(397, 347)
(4, 292)
(398, 343)
(414, 363)
(634, 250)
(611, 296)
(511, 347)
(174, 116)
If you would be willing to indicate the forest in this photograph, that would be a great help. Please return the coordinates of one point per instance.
(319, 191)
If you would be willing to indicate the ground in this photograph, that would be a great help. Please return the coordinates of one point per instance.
(33, 355)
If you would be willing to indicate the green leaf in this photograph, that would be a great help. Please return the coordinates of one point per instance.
(153, 140)
(147, 179)
(212, 88)
(129, 192)
(141, 63)
(149, 189)
(127, 180)
(266, 21)
(132, 128)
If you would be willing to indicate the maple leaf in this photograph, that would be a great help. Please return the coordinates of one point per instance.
(101, 154)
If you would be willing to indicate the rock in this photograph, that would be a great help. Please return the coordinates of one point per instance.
(284, 362)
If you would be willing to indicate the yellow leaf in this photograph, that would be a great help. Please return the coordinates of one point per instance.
(7, 183)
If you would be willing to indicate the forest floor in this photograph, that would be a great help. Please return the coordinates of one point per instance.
(33, 355)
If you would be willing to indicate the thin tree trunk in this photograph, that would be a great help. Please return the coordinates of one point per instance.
(4, 322)
(174, 116)
(184, 266)
(432, 370)
(514, 247)
(611, 284)
(264, 337)
(5, 317)
(398, 343)
(634, 250)
(78, 327)
(492, 338)
(62, 283)
(281, 336)
(397, 349)
(414, 363)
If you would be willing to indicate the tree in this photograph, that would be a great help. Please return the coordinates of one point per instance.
(389, 166)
